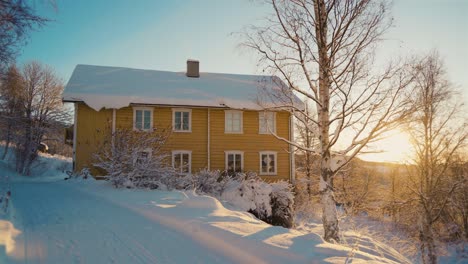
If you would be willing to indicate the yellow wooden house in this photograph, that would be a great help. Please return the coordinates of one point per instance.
(218, 121)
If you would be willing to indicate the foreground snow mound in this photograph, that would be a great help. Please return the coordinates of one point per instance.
(239, 236)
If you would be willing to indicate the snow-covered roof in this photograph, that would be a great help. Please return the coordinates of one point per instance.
(116, 87)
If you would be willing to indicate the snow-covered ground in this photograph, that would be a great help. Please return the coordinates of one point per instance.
(88, 221)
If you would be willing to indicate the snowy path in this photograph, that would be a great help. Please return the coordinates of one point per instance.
(63, 224)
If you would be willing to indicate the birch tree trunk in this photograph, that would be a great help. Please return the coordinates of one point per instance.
(329, 214)
(428, 249)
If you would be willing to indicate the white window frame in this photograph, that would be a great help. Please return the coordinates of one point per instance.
(268, 127)
(226, 112)
(276, 162)
(179, 152)
(147, 150)
(183, 110)
(233, 152)
(135, 109)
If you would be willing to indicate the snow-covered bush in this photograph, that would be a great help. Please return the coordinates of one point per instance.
(250, 194)
(211, 182)
(134, 159)
(243, 176)
(270, 202)
(282, 202)
(178, 181)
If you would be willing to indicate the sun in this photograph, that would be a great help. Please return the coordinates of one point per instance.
(394, 147)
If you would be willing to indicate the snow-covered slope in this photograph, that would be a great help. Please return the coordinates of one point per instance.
(88, 221)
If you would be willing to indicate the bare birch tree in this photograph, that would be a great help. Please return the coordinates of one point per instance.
(438, 133)
(32, 107)
(324, 51)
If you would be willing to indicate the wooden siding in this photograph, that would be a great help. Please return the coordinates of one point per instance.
(92, 125)
(196, 141)
(250, 142)
(91, 130)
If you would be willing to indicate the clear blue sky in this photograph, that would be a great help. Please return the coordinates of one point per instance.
(161, 35)
(145, 34)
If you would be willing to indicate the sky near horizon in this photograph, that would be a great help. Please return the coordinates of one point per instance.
(162, 35)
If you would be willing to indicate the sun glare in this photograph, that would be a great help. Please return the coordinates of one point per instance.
(395, 147)
(8, 234)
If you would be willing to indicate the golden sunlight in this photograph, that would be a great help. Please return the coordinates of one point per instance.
(7, 235)
(395, 147)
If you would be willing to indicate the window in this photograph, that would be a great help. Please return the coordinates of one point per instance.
(182, 161)
(234, 161)
(267, 122)
(268, 163)
(142, 157)
(182, 120)
(143, 118)
(233, 121)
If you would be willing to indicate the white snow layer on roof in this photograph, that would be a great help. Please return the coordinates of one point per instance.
(115, 87)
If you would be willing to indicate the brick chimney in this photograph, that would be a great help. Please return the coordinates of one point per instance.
(193, 68)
